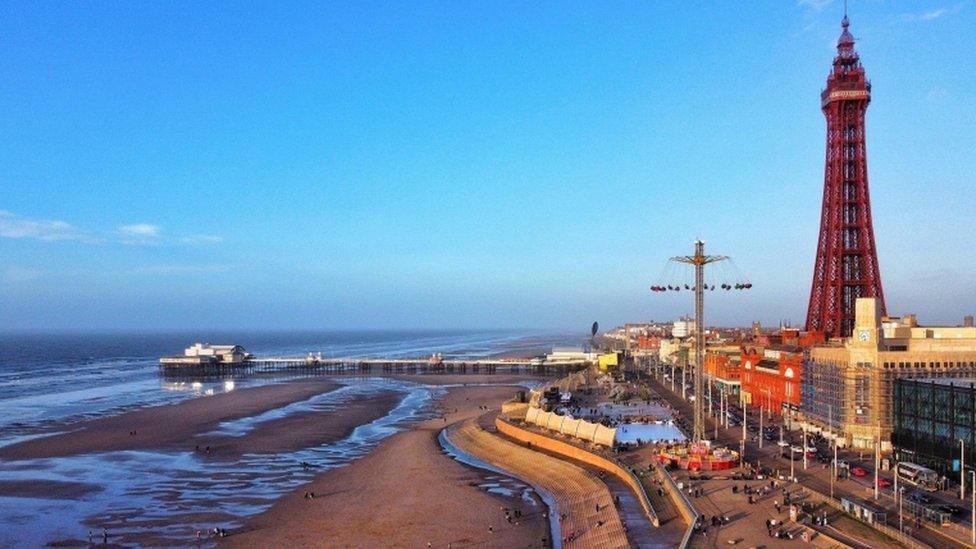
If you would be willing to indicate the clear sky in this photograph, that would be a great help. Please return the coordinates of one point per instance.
(462, 164)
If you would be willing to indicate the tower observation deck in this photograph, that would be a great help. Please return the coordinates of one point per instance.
(846, 264)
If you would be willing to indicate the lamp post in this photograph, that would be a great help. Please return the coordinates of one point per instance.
(672, 375)
(768, 413)
(684, 382)
(804, 447)
(710, 395)
(877, 459)
(901, 518)
(833, 441)
(897, 493)
(973, 518)
(962, 468)
(742, 454)
(792, 477)
(760, 424)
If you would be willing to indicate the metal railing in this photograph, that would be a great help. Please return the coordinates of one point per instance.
(695, 515)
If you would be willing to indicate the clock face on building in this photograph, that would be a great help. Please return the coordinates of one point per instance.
(864, 335)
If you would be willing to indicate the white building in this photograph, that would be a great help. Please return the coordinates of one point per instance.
(227, 354)
(682, 328)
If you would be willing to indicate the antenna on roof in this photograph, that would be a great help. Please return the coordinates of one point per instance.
(845, 8)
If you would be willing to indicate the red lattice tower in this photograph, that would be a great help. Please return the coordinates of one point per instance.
(846, 266)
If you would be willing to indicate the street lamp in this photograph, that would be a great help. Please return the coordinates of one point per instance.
(742, 451)
(804, 447)
(833, 441)
(768, 398)
(760, 423)
(877, 459)
(901, 518)
(792, 475)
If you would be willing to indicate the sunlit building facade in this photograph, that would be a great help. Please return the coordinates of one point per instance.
(852, 379)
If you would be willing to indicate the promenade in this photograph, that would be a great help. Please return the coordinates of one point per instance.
(816, 477)
(588, 517)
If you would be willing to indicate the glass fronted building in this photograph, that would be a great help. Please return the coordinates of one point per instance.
(931, 416)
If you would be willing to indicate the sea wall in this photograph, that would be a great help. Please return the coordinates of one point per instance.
(515, 410)
(573, 452)
(685, 508)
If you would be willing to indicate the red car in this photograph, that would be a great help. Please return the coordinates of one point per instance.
(858, 472)
(883, 482)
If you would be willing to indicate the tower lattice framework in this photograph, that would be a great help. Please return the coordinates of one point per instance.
(846, 265)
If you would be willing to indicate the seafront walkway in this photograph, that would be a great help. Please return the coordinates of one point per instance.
(588, 517)
(718, 499)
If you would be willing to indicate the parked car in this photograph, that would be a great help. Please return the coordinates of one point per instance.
(883, 482)
(824, 458)
(950, 509)
(919, 497)
(859, 472)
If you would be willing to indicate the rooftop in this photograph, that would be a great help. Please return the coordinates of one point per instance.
(957, 381)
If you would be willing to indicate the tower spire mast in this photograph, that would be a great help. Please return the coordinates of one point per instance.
(846, 264)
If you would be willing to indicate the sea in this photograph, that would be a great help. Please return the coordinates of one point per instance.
(49, 382)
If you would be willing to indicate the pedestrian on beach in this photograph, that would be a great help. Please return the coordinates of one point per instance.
(104, 535)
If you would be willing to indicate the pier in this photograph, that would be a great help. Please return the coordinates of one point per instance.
(206, 359)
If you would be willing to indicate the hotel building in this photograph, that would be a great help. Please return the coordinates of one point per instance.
(851, 381)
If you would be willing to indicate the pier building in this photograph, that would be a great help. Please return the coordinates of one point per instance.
(205, 354)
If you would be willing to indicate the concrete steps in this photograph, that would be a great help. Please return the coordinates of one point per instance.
(581, 497)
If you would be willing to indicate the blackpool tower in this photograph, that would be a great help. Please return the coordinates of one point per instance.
(846, 266)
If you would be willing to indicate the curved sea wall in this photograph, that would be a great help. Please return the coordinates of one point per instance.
(573, 452)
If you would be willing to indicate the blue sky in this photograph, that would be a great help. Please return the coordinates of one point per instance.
(462, 164)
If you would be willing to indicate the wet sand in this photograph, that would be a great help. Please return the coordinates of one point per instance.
(130, 524)
(302, 430)
(161, 427)
(405, 493)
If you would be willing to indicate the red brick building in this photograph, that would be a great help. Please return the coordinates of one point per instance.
(771, 376)
(648, 343)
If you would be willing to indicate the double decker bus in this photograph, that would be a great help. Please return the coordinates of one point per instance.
(923, 477)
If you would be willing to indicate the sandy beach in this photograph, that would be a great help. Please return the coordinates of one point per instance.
(162, 427)
(405, 493)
